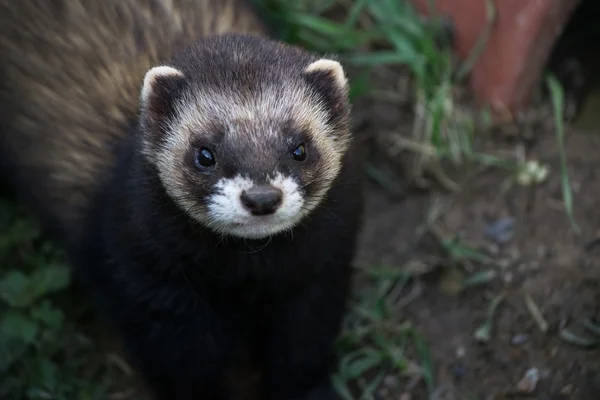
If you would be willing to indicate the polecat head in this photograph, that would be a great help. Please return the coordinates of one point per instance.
(247, 134)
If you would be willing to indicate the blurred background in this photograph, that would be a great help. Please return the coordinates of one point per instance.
(478, 274)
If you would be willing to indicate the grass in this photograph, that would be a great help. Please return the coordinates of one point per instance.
(44, 351)
(375, 339)
(372, 34)
(352, 30)
(557, 96)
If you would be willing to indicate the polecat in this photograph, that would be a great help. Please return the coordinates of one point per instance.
(203, 179)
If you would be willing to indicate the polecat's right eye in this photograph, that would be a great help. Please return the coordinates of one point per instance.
(204, 158)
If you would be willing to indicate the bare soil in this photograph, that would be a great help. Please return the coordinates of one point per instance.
(544, 260)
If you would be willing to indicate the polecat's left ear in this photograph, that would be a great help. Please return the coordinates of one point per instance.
(161, 87)
(328, 79)
(327, 72)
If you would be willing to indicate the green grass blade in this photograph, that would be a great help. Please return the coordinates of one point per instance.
(556, 92)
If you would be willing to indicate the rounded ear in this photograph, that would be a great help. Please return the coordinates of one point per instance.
(328, 70)
(328, 80)
(160, 89)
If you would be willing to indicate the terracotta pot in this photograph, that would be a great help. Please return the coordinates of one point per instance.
(518, 47)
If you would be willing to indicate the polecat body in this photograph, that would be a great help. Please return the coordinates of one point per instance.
(207, 190)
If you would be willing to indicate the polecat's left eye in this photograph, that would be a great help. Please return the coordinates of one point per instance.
(204, 158)
(300, 153)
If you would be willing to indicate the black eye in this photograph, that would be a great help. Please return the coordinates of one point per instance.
(204, 158)
(300, 153)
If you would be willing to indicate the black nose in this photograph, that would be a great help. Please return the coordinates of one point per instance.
(262, 199)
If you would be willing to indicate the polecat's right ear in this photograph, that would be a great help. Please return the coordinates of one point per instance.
(160, 89)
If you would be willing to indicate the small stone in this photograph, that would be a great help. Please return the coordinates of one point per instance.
(451, 281)
(502, 230)
(504, 263)
(405, 396)
(458, 370)
(586, 264)
(461, 351)
(545, 373)
(443, 392)
(567, 390)
(390, 381)
(529, 381)
(542, 251)
(514, 254)
(534, 265)
(492, 249)
(508, 277)
(519, 339)
(417, 267)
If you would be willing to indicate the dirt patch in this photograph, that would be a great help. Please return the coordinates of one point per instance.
(543, 260)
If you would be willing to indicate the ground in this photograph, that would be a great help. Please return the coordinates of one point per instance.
(460, 294)
(544, 260)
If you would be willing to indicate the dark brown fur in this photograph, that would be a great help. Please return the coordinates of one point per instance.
(70, 76)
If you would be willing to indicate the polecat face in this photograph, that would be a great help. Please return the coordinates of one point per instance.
(247, 134)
